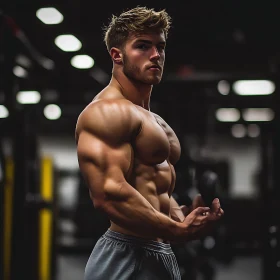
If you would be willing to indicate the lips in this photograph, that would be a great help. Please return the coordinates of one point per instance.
(154, 67)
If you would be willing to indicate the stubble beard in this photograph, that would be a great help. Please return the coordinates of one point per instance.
(133, 72)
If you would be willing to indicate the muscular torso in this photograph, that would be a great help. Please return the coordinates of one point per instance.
(155, 150)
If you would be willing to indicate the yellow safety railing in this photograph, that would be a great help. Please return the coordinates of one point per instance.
(46, 221)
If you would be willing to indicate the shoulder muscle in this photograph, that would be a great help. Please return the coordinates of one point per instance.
(113, 121)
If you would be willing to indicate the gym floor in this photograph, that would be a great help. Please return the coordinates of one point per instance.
(71, 267)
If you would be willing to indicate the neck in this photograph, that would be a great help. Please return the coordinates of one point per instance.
(136, 92)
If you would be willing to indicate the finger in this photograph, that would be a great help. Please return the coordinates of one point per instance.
(215, 205)
(221, 212)
(200, 210)
(215, 216)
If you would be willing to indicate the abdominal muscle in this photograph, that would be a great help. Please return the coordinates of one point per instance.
(154, 183)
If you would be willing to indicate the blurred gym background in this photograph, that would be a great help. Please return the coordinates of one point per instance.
(219, 93)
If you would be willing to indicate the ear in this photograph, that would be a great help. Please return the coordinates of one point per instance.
(116, 55)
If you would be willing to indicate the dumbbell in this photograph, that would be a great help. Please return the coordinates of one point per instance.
(207, 186)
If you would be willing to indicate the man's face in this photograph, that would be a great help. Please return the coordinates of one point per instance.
(144, 56)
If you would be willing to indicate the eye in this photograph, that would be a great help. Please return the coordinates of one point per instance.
(161, 48)
(143, 47)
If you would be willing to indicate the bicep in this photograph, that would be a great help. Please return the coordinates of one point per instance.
(102, 165)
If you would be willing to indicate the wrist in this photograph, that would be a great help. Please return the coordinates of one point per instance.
(179, 232)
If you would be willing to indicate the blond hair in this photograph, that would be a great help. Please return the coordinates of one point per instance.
(136, 20)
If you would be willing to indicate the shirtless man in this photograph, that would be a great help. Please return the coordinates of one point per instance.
(127, 155)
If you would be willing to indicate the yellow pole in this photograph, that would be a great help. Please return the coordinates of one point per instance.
(46, 221)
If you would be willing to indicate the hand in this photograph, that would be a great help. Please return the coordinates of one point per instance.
(215, 213)
(193, 224)
(178, 213)
(214, 216)
(202, 220)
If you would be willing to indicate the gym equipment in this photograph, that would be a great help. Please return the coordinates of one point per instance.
(207, 186)
(28, 200)
(40, 209)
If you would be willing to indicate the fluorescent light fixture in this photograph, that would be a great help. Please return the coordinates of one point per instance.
(28, 97)
(52, 112)
(223, 87)
(82, 61)
(20, 72)
(4, 113)
(253, 130)
(238, 130)
(49, 15)
(258, 114)
(254, 87)
(227, 115)
(68, 43)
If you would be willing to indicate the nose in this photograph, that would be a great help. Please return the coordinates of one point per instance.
(155, 54)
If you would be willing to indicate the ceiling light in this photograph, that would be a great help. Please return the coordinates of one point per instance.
(52, 112)
(253, 130)
(254, 87)
(223, 87)
(20, 72)
(68, 43)
(238, 130)
(227, 115)
(49, 15)
(258, 114)
(4, 113)
(82, 61)
(28, 97)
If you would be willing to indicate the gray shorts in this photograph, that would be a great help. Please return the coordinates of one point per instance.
(116, 256)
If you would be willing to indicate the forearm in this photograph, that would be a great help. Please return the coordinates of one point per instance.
(129, 209)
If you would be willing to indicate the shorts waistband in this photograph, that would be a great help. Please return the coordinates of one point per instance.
(156, 246)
